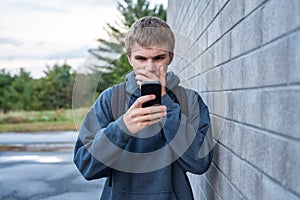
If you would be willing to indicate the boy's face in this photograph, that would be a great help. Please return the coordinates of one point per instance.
(149, 59)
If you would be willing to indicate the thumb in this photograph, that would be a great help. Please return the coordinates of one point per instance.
(162, 75)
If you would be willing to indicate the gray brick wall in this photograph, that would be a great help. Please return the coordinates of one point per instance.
(243, 57)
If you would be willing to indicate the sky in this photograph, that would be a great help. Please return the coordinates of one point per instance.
(35, 33)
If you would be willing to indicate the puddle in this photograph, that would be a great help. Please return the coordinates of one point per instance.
(37, 147)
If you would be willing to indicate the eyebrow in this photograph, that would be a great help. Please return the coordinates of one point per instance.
(160, 55)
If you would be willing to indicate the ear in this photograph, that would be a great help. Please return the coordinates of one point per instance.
(171, 56)
(129, 60)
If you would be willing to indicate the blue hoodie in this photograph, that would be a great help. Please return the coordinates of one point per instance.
(145, 166)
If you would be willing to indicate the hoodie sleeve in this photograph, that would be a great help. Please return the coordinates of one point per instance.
(189, 137)
(100, 139)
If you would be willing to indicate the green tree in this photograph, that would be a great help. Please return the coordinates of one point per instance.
(22, 92)
(57, 85)
(5, 90)
(111, 52)
(21, 95)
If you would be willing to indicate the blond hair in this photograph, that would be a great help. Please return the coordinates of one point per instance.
(149, 31)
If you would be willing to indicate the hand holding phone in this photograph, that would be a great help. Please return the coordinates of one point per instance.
(151, 87)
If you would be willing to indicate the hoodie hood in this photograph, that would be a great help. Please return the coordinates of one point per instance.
(133, 88)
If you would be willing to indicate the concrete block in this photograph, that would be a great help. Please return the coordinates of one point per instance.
(186, 22)
(232, 136)
(214, 31)
(234, 108)
(225, 189)
(180, 18)
(218, 103)
(204, 61)
(232, 74)
(171, 13)
(281, 111)
(200, 8)
(252, 5)
(175, 61)
(274, 191)
(201, 84)
(213, 176)
(177, 64)
(292, 166)
(241, 174)
(193, 52)
(260, 151)
(208, 190)
(198, 28)
(183, 44)
(209, 97)
(250, 184)
(222, 50)
(247, 34)
(204, 185)
(190, 30)
(251, 104)
(252, 69)
(254, 150)
(217, 125)
(225, 162)
(280, 17)
(218, 5)
(294, 58)
(202, 42)
(231, 15)
(274, 66)
(193, 83)
(208, 14)
(214, 79)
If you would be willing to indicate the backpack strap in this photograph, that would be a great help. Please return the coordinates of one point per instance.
(182, 99)
(118, 100)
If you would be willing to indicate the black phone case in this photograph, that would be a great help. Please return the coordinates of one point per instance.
(151, 87)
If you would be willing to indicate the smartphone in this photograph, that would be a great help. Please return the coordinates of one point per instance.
(151, 87)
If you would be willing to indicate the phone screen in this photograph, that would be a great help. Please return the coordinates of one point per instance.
(151, 87)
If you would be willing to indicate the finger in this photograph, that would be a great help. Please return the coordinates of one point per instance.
(151, 117)
(148, 123)
(152, 110)
(147, 74)
(156, 116)
(144, 78)
(140, 112)
(138, 103)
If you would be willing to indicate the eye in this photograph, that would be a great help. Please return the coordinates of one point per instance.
(140, 58)
(161, 57)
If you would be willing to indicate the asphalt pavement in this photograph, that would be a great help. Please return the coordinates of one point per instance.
(39, 166)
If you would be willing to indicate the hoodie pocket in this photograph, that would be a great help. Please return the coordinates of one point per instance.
(156, 196)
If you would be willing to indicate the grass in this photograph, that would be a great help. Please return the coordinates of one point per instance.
(39, 121)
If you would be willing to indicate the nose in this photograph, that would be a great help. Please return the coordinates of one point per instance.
(150, 66)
